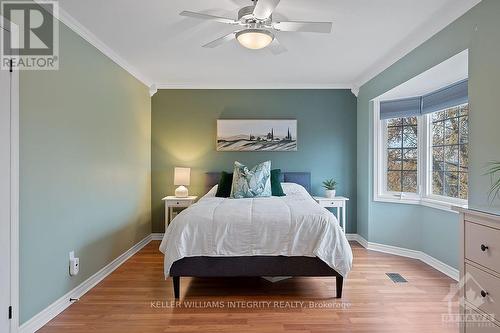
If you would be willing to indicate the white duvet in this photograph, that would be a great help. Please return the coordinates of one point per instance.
(293, 225)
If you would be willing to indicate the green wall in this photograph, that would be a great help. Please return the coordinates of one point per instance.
(432, 231)
(184, 133)
(84, 170)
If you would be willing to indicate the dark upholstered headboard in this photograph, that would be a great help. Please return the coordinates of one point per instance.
(301, 178)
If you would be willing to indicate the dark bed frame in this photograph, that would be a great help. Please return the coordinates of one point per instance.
(254, 266)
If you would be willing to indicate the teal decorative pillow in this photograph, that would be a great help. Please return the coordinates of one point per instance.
(251, 183)
(225, 183)
(276, 189)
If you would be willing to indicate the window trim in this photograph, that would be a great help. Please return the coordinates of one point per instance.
(424, 194)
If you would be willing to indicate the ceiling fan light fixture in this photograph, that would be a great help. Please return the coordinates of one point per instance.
(254, 39)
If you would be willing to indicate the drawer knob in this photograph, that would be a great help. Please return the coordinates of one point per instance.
(484, 247)
(484, 293)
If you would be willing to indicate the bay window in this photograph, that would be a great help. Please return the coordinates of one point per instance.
(421, 148)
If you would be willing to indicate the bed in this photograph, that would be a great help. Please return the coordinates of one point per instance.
(272, 237)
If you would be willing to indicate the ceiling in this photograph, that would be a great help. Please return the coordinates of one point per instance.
(159, 47)
(448, 72)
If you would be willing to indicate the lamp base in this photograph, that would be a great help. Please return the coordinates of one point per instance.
(181, 192)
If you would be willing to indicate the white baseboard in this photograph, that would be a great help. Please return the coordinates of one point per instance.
(157, 236)
(403, 252)
(357, 238)
(62, 303)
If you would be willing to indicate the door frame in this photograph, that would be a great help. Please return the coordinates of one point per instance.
(14, 188)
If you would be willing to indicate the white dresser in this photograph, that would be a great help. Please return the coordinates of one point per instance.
(479, 272)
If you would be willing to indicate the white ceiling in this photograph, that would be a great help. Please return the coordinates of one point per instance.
(159, 47)
(448, 72)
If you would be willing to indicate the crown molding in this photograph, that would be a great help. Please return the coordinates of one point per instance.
(440, 20)
(153, 90)
(355, 90)
(236, 86)
(83, 32)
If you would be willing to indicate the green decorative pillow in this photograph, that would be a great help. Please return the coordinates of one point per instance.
(224, 187)
(251, 183)
(276, 189)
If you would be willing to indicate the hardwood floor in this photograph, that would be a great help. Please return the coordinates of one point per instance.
(136, 298)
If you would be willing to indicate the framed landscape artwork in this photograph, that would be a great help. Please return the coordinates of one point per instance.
(256, 135)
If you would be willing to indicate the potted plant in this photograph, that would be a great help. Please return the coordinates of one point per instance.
(330, 187)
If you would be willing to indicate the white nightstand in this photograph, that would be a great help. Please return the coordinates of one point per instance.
(172, 202)
(337, 202)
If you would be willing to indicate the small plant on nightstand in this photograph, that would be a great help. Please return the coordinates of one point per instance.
(330, 187)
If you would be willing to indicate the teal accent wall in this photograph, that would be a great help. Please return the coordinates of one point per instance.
(85, 150)
(184, 134)
(433, 231)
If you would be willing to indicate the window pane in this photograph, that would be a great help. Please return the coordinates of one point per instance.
(394, 159)
(453, 112)
(438, 116)
(450, 155)
(437, 183)
(394, 181)
(402, 151)
(438, 159)
(410, 121)
(464, 158)
(464, 129)
(464, 185)
(438, 133)
(394, 122)
(410, 181)
(451, 158)
(394, 137)
(451, 184)
(410, 159)
(451, 131)
(410, 136)
(464, 110)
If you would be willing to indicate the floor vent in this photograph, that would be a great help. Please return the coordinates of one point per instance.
(396, 277)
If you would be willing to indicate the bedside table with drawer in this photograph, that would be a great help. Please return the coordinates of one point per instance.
(479, 270)
(172, 202)
(340, 203)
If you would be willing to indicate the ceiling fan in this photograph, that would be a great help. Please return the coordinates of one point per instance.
(256, 26)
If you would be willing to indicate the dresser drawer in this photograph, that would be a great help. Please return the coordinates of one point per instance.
(482, 245)
(478, 323)
(482, 290)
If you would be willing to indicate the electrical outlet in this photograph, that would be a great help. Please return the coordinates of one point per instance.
(74, 264)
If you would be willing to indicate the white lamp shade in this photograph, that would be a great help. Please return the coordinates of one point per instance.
(182, 176)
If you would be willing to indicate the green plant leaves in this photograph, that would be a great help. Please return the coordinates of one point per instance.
(493, 169)
(330, 184)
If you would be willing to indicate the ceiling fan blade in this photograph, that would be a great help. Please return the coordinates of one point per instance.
(322, 27)
(264, 8)
(276, 47)
(221, 40)
(202, 16)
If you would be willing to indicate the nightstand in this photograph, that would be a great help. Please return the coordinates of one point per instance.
(172, 202)
(340, 203)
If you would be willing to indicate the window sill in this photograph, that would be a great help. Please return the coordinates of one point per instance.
(425, 201)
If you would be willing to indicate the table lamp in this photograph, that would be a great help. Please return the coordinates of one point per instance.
(181, 179)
